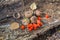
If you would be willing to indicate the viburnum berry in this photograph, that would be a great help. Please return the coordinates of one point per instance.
(46, 16)
(38, 25)
(39, 22)
(35, 26)
(22, 27)
(30, 29)
(29, 25)
(39, 18)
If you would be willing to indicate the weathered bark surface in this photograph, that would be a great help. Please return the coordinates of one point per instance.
(10, 7)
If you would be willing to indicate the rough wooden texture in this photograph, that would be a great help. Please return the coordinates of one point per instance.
(43, 5)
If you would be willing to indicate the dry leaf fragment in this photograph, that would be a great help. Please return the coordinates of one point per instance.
(33, 6)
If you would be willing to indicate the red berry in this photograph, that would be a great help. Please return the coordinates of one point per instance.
(47, 16)
(22, 27)
(41, 23)
(38, 21)
(38, 25)
(39, 18)
(29, 25)
(35, 26)
(30, 29)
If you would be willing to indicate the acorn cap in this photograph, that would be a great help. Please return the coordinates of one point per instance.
(25, 21)
(28, 13)
(33, 19)
(14, 25)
